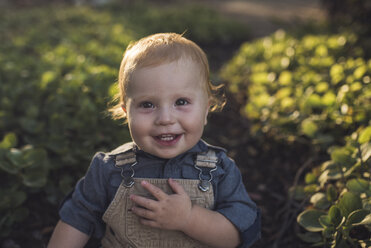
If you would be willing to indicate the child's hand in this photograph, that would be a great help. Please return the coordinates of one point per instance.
(171, 212)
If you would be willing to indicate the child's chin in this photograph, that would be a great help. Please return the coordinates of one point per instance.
(168, 154)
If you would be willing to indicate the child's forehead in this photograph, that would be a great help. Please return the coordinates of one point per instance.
(180, 74)
(181, 65)
(158, 61)
(178, 69)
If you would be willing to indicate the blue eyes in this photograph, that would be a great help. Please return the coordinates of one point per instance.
(179, 102)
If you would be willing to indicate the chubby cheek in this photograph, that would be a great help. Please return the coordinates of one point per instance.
(138, 126)
(194, 125)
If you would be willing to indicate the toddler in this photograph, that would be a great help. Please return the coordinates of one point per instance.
(167, 188)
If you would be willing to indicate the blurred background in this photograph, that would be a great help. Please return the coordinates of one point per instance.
(297, 77)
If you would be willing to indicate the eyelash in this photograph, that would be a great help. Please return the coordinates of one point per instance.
(179, 102)
(146, 105)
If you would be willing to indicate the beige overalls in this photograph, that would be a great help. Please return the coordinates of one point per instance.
(124, 228)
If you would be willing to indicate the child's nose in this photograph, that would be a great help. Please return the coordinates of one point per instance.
(165, 117)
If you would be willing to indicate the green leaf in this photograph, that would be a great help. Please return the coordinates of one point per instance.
(360, 71)
(310, 178)
(46, 78)
(366, 151)
(359, 217)
(325, 221)
(365, 135)
(309, 127)
(334, 172)
(343, 155)
(319, 200)
(348, 203)
(337, 73)
(313, 101)
(285, 78)
(310, 189)
(329, 99)
(309, 219)
(16, 157)
(365, 221)
(331, 193)
(358, 185)
(335, 216)
(9, 141)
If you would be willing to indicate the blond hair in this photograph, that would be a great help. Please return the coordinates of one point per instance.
(155, 50)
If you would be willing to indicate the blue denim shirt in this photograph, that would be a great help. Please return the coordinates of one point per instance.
(85, 206)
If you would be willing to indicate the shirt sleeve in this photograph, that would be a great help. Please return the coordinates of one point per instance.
(85, 206)
(234, 203)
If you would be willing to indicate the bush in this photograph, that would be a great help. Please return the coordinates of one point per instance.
(340, 196)
(314, 90)
(311, 90)
(56, 74)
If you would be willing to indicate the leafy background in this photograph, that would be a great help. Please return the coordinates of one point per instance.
(297, 120)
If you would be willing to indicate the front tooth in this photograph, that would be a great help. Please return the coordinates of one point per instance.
(167, 137)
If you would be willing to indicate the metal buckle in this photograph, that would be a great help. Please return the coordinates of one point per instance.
(128, 180)
(204, 185)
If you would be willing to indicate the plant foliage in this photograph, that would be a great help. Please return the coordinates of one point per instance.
(340, 196)
(55, 78)
(315, 90)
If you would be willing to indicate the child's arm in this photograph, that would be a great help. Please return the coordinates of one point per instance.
(176, 212)
(65, 235)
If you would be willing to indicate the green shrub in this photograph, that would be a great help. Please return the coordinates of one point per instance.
(315, 89)
(57, 70)
(339, 214)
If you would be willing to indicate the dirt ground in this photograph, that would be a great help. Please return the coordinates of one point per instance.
(263, 17)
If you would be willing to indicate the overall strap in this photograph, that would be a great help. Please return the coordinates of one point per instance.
(206, 164)
(208, 159)
(127, 174)
(125, 158)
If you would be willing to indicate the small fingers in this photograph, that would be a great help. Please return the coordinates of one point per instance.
(142, 212)
(176, 187)
(155, 191)
(144, 202)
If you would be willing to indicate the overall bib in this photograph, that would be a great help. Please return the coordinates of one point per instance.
(123, 228)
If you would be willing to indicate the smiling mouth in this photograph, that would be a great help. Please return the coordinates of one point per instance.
(168, 139)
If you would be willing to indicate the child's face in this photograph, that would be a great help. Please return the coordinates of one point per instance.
(167, 107)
